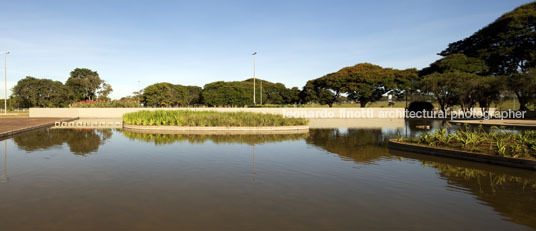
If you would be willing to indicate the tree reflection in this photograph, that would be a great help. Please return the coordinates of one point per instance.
(359, 145)
(511, 196)
(80, 141)
(510, 192)
(251, 139)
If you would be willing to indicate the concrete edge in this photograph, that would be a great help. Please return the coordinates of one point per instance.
(30, 128)
(216, 130)
(474, 122)
(463, 155)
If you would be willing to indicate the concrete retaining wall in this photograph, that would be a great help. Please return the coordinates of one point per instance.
(321, 113)
(464, 155)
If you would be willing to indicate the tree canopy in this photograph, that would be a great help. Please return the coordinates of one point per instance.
(507, 45)
(459, 80)
(456, 63)
(33, 92)
(523, 85)
(170, 95)
(362, 83)
(86, 83)
(240, 93)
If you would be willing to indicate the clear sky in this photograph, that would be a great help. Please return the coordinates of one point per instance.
(197, 42)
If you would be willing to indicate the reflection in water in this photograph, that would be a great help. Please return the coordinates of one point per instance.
(360, 145)
(4, 177)
(193, 179)
(80, 141)
(251, 139)
(511, 192)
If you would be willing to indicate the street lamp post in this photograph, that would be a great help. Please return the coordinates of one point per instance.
(254, 53)
(5, 82)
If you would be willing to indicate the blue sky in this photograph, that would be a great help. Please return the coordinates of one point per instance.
(197, 42)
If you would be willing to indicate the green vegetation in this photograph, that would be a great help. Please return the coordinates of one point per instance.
(241, 93)
(106, 104)
(169, 95)
(508, 48)
(208, 119)
(362, 83)
(84, 84)
(494, 142)
(485, 69)
(33, 92)
(461, 80)
(507, 45)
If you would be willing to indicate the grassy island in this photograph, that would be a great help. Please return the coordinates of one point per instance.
(493, 142)
(187, 118)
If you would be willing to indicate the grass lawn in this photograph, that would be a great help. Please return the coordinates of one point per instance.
(15, 114)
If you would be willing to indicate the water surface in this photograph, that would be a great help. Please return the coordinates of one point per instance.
(329, 179)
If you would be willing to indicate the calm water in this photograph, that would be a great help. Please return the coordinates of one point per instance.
(329, 179)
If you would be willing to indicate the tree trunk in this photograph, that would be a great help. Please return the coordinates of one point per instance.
(363, 104)
(522, 104)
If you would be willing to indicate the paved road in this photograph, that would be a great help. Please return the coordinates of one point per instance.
(8, 124)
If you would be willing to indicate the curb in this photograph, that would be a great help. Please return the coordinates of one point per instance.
(463, 155)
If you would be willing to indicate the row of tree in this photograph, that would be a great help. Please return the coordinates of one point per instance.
(236, 93)
(498, 60)
(83, 84)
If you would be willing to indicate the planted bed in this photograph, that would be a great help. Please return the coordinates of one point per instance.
(498, 146)
(211, 119)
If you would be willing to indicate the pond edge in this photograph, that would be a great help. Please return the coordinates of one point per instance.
(34, 127)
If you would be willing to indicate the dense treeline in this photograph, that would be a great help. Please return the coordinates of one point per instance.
(83, 84)
(220, 93)
(495, 62)
(241, 93)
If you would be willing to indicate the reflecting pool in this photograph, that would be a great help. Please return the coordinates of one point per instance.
(328, 179)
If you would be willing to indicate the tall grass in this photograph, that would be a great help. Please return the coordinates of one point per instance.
(208, 119)
(494, 142)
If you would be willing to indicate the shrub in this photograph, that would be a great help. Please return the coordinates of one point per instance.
(494, 142)
(106, 104)
(208, 119)
(420, 106)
